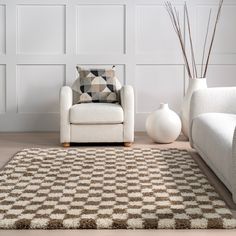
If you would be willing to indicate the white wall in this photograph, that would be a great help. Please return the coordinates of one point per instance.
(41, 42)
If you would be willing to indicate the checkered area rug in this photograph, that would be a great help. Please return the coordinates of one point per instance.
(108, 188)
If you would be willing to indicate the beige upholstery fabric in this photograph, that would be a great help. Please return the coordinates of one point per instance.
(234, 167)
(212, 100)
(65, 105)
(96, 113)
(127, 102)
(108, 122)
(97, 133)
(212, 134)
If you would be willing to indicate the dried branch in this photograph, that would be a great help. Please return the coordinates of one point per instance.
(205, 42)
(176, 25)
(213, 36)
(174, 17)
(191, 42)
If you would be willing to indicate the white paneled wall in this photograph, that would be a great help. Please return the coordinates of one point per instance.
(100, 29)
(2, 89)
(41, 29)
(41, 42)
(37, 88)
(2, 29)
(162, 76)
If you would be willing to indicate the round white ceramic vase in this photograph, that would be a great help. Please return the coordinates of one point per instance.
(194, 85)
(163, 125)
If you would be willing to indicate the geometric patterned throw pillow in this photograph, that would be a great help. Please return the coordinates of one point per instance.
(96, 85)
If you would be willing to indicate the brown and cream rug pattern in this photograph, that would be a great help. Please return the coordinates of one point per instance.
(108, 188)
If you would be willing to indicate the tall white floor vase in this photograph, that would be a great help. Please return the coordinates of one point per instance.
(194, 85)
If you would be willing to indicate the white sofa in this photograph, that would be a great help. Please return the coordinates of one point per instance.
(213, 133)
(97, 122)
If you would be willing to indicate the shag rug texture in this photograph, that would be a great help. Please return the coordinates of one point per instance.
(108, 188)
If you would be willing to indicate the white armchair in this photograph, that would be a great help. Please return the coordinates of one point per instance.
(97, 122)
(213, 133)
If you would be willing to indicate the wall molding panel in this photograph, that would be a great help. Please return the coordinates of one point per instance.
(2, 29)
(42, 41)
(103, 23)
(46, 35)
(2, 89)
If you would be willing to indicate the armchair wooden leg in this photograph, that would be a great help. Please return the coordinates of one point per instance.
(65, 145)
(128, 144)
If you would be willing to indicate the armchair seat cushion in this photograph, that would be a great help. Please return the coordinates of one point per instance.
(96, 113)
(212, 134)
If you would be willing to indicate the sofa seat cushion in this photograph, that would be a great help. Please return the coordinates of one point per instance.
(96, 113)
(212, 135)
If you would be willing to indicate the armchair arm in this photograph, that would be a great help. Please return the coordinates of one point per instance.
(65, 105)
(127, 103)
(220, 100)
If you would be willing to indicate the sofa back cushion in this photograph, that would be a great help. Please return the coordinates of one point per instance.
(96, 85)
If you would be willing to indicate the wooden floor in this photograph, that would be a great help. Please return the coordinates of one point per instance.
(11, 143)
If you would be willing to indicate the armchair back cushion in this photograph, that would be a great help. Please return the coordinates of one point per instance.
(96, 85)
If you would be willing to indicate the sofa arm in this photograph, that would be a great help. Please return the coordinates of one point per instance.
(221, 100)
(234, 168)
(65, 105)
(127, 103)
